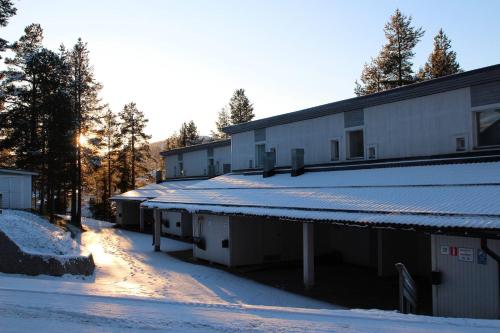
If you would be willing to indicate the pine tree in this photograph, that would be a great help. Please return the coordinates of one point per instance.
(172, 142)
(397, 53)
(7, 10)
(393, 66)
(84, 90)
(372, 79)
(442, 61)
(240, 107)
(223, 120)
(136, 148)
(188, 134)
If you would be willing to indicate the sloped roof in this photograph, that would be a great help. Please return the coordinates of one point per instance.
(459, 195)
(154, 190)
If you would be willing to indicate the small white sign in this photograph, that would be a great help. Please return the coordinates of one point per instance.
(445, 249)
(465, 254)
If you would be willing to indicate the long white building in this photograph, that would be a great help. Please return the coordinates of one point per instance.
(408, 175)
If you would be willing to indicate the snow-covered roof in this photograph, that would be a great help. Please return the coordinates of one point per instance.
(154, 190)
(458, 195)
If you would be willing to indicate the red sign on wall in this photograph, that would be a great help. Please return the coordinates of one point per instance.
(453, 251)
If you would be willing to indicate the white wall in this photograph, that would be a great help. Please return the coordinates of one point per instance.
(127, 212)
(222, 155)
(414, 127)
(214, 229)
(180, 224)
(16, 191)
(468, 288)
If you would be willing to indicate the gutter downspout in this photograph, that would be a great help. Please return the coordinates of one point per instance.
(496, 257)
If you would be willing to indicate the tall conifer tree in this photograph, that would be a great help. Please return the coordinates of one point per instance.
(223, 120)
(240, 107)
(136, 148)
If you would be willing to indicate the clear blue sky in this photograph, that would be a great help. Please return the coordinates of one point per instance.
(181, 60)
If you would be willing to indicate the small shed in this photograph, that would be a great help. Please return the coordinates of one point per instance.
(16, 188)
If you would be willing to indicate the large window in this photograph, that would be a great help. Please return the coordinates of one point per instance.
(355, 144)
(260, 150)
(488, 128)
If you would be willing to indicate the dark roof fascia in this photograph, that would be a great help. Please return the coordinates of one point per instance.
(187, 178)
(213, 144)
(430, 87)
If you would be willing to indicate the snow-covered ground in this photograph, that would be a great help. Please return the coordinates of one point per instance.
(35, 235)
(136, 289)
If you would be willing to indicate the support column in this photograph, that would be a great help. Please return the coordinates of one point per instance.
(157, 229)
(380, 253)
(141, 219)
(308, 254)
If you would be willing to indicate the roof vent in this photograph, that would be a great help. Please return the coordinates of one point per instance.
(269, 163)
(297, 162)
(159, 176)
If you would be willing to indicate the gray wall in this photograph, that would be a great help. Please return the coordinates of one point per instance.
(414, 127)
(469, 288)
(195, 163)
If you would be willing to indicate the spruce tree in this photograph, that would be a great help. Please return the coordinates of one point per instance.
(135, 148)
(223, 120)
(442, 61)
(240, 107)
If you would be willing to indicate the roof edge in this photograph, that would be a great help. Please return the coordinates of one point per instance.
(201, 146)
(419, 89)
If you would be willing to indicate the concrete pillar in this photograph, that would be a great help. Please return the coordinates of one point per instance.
(380, 253)
(157, 229)
(141, 218)
(308, 254)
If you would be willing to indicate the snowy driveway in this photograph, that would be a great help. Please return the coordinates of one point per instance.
(136, 289)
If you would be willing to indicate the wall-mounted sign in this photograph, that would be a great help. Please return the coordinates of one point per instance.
(465, 254)
(482, 257)
(445, 249)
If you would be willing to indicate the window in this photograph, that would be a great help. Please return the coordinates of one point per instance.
(355, 144)
(488, 128)
(260, 150)
(334, 150)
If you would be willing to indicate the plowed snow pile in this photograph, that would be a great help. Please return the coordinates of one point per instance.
(36, 235)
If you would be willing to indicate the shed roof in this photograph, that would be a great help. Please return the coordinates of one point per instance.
(18, 172)
(434, 86)
(443, 196)
(153, 190)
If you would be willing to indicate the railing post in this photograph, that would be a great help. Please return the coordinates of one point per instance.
(407, 290)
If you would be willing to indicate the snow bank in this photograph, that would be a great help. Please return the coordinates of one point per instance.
(35, 235)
